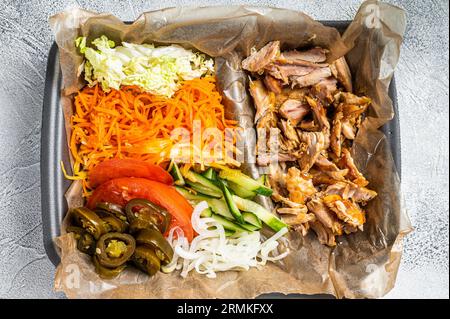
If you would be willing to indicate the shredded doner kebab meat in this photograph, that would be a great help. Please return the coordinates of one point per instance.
(311, 104)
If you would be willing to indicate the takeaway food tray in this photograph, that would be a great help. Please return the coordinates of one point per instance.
(54, 148)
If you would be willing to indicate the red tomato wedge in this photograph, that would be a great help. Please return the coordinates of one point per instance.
(121, 190)
(127, 167)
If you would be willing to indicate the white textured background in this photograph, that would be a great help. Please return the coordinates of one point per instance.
(422, 84)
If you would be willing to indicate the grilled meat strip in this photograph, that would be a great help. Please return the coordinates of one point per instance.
(329, 168)
(345, 210)
(260, 59)
(300, 188)
(348, 130)
(315, 143)
(289, 131)
(320, 115)
(354, 174)
(311, 78)
(273, 84)
(324, 234)
(284, 72)
(341, 72)
(296, 216)
(294, 110)
(349, 190)
(263, 100)
(325, 89)
(336, 134)
(325, 215)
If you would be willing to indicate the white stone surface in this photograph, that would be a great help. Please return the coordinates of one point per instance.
(422, 84)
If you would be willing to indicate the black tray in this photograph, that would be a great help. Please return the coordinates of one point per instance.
(54, 149)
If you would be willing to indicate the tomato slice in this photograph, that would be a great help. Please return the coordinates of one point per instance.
(127, 167)
(121, 190)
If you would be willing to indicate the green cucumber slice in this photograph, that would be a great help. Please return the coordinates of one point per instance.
(263, 214)
(251, 218)
(250, 227)
(206, 213)
(202, 184)
(190, 195)
(210, 174)
(200, 188)
(236, 176)
(176, 174)
(240, 191)
(231, 204)
(227, 224)
(218, 206)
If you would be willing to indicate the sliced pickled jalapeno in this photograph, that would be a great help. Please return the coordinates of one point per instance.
(89, 221)
(139, 224)
(109, 209)
(114, 249)
(154, 239)
(146, 260)
(77, 231)
(105, 235)
(115, 224)
(105, 272)
(149, 212)
(85, 241)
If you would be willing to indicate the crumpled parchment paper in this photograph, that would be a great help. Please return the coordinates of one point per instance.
(363, 264)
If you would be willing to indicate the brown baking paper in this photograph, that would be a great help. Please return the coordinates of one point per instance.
(363, 264)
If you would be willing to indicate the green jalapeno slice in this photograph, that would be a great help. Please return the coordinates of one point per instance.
(105, 209)
(155, 240)
(105, 272)
(146, 210)
(114, 249)
(89, 221)
(145, 259)
(115, 224)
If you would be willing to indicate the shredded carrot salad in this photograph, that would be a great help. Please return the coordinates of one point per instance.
(130, 123)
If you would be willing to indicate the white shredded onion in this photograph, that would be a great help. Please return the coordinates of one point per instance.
(211, 251)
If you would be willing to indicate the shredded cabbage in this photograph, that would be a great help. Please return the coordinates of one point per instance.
(158, 70)
(211, 251)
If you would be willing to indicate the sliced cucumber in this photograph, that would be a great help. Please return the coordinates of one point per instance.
(200, 188)
(210, 174)
(202, 185)
(228, 233)
(240, 191)
(231, 204)
(236, 176)
(176, 174)
(206, 213)
(190, 195)
(198, 178)
(227, 224)
(249, 227)
(251, 218)
(267, 217)
(218, 206)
